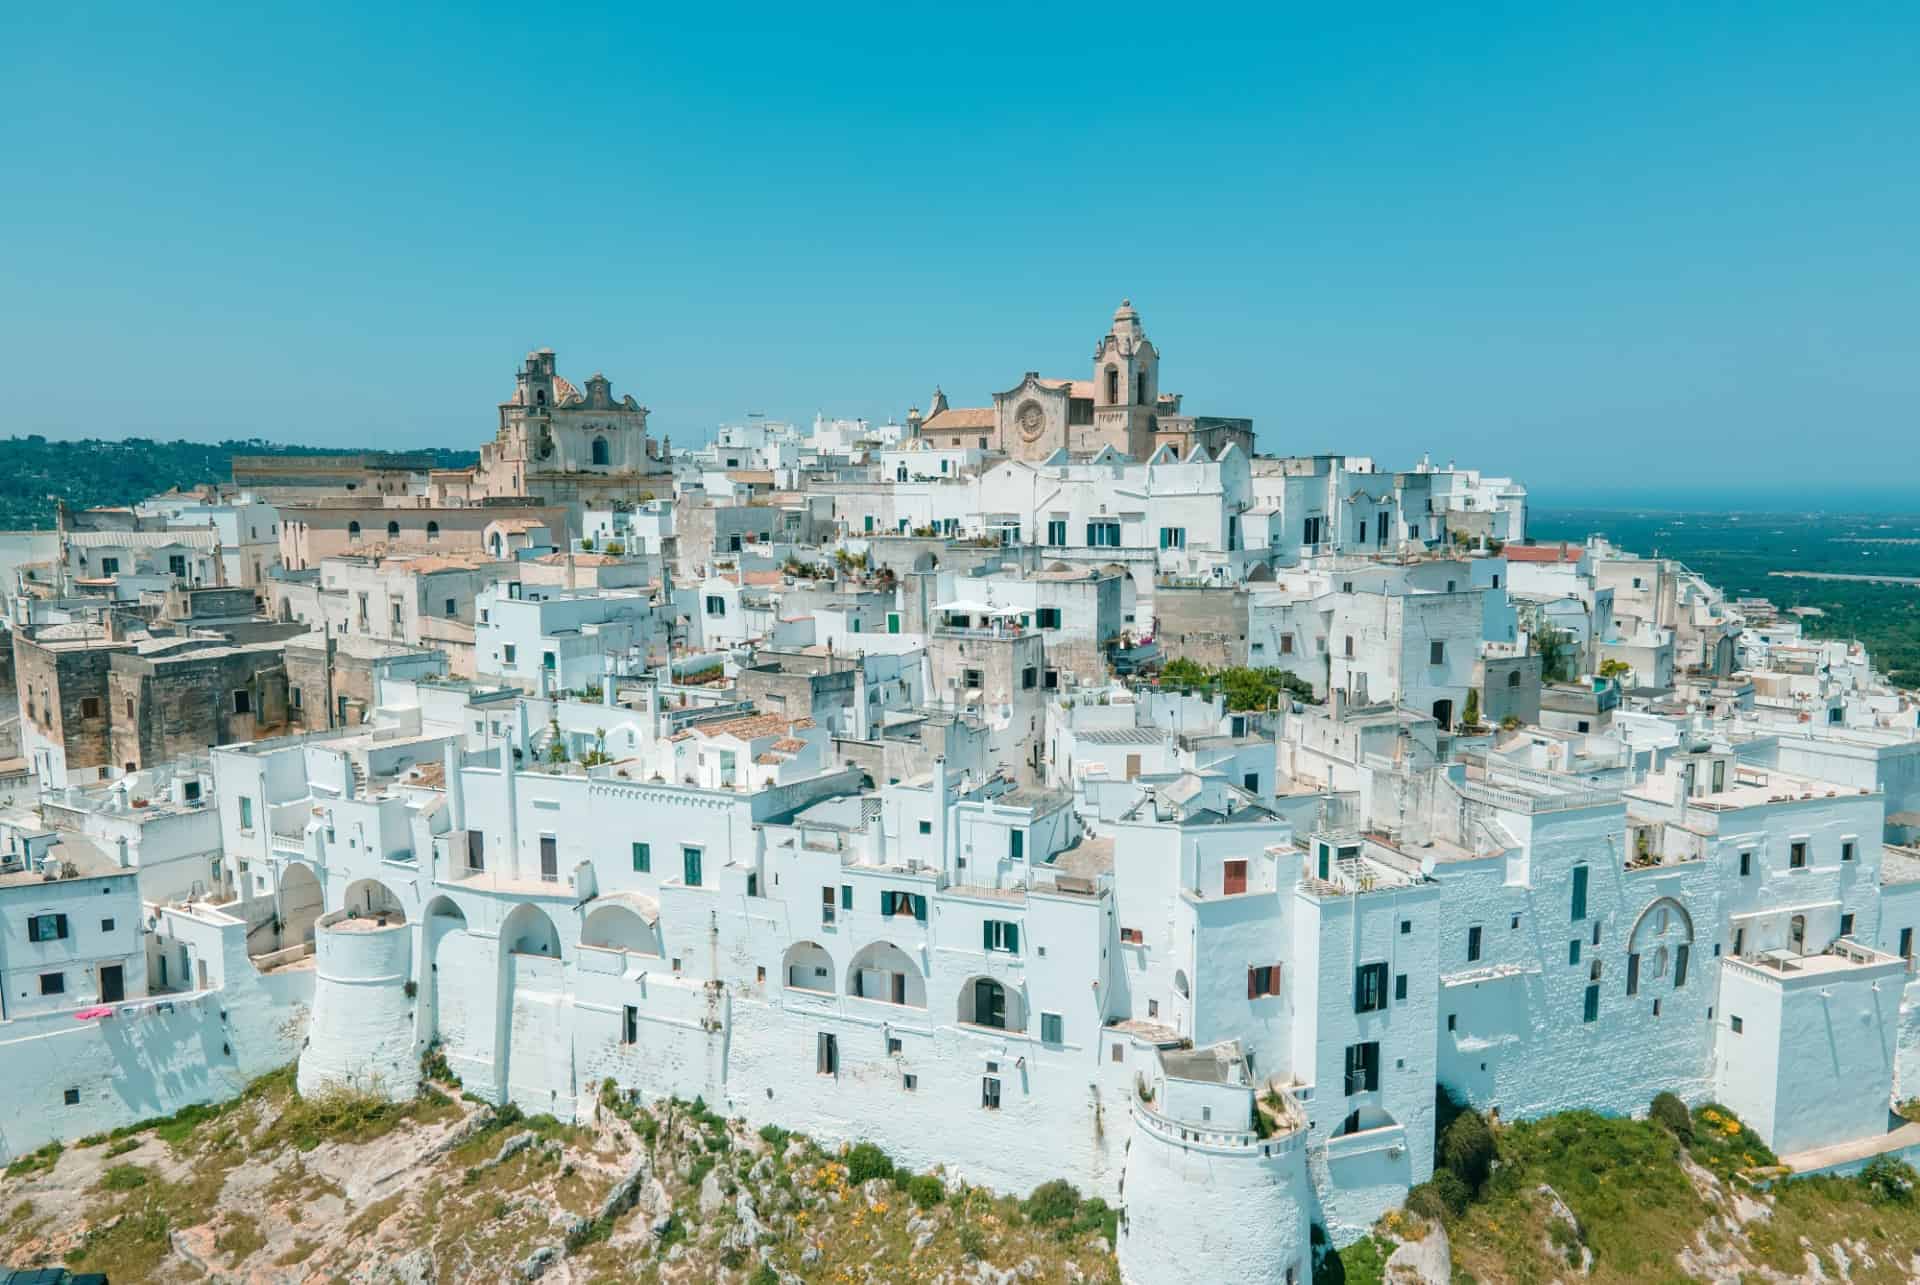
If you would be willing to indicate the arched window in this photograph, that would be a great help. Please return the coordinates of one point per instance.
(1113, 386)
(393, 530)
(433, 530)
(353, 530)
(600, 450)
(1141, 396)
(540, 396)
(1659, 944)
(985, 1002)
(1513, 679)
(1797, 935)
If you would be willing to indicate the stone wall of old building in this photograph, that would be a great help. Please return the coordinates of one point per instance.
(63, 698)
(1208, 626)
(167, 707)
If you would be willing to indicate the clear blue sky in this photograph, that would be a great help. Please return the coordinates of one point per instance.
(1597, 247)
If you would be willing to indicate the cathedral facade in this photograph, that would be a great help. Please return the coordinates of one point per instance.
(1121, 407)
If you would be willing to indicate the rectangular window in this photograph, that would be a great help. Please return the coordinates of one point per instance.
(1349, 646)
(1906, 943)
(294, 692)
(106, 925)
(1233, 877)
(1680, 965)
(630, 1025)
(1017, 845)
(246, 813)
(1579, 893)
(53, 983)
(926, 827)
(1263, 980)
(826, 1055)
(1286, 644)
(1132, 937)
(1738, 1025)
(1633, 974)
(1797, 854)
(846, 896)
(643, 858)
(1029, 678)
(1173, 537)
(243, 701)
(1370, 988)
(1399, 987)
(506, 653)
(1056, 533)
(547, 660)
(549, 858)
(47, 928)
(690, 866)
(1050, 1027)
(998, 934)
(1573, 951)
(1363, 1067)
(1846, 850)
(1436, 653)
(1103, 535)
(1047, 617)
(1746, 864)
(1592, 1008)
(1473, 943)
(1846, 925)
(89, 707)
(990, 1092)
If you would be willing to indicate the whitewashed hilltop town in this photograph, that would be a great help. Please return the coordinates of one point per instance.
(1053, 788)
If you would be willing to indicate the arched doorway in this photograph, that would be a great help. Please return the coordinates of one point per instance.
(535, 1042)
(626, 923)
(447, 951)
(986, 1002)
(301, 902)
(808, 967)
(372, 898)
(882, 971)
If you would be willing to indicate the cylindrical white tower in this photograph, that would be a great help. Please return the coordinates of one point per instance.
(1204, 1205)
(362, 1034)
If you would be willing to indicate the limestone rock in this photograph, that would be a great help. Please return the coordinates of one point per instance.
(712, 1197)
(535, 1265)
(1428, 1261)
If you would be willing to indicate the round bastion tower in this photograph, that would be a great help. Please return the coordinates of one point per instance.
(1204, 1200)
(362, 1032)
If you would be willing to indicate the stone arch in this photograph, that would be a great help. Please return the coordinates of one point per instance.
(393, 530)
(433, 530)
(496, 544)
(1657, 945)
(1113, 385)
(1180, 983)
(1361, 1119)
(1513, 678)
(621, 924)
(529, 931)
(808, 967)
(444, 937)
(601, 455)
(371, 897)
(882, 971)
(301, 901)
(353, 530)
(985, 1001)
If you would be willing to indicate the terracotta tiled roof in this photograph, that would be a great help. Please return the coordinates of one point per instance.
(790, 745)
(764, 577)
(1082, 388)
(959, 418)
(1542, 553)
(752, 727)
(751, 476)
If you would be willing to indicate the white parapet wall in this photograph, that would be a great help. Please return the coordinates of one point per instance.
(363, 1013)
(1206, 1205)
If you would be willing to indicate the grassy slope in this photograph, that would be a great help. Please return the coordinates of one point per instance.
(272, 1186)
(1651, 1210)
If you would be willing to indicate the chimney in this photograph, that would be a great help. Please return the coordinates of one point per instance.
(456, 791)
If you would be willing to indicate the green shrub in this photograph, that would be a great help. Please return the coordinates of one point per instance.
(1442, 1197)
(1889, 1181)
(36, 1161)
(1467, 1149)
(925, 1190)
(124, 1178)
(866, 1162)
(1052, 1202)
(764, 1275)
(1672, 1112)
(776, 1137)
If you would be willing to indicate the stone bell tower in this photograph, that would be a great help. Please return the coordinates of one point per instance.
(1126, 384)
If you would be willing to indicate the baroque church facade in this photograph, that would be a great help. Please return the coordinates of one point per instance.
(564, 444)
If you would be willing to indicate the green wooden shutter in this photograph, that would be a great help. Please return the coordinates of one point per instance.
(920, 907)
(986, 934)
(1013, 938)
(846, 896)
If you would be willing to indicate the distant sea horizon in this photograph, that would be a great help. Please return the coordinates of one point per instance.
(1760, 499)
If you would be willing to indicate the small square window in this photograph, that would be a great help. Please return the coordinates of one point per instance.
(106, 925)
(71, 1097)
(926, 827)
(1406, 926)
(909, 1082)
(1119, 1052)
(1738, 1025)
